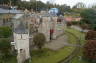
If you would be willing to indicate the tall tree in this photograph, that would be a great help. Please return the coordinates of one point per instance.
(5, 48)
(79, 5)
(65, 8)
(5, 32)
(89, 17)
(90, 50)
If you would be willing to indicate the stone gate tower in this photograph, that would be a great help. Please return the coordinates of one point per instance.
(21, 39)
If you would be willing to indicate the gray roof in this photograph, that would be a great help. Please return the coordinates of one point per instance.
(21, 29)
(17, 16)
(10, 11)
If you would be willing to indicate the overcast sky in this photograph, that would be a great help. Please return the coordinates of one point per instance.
(71, 2)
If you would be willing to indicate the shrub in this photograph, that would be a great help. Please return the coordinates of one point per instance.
(5, 32)
(90, 49)
(39, 40)
(5, 47)
(84, 26)
(91, 35)
(69, 24)
(75, 22)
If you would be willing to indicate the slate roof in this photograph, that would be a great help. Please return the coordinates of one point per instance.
(21, 29)
(10, 11)
(17, 16)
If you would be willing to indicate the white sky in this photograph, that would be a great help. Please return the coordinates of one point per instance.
(71, 2)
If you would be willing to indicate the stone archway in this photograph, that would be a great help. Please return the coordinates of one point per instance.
(21, 57)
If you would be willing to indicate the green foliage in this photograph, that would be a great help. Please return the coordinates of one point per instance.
(69, 24)
(91, 35)
(5, 48)
(4, 43)
(5, 51)
(64, 8)
(39, 40)
(5, 32)
(75, 22)
(36, 6)
(14, 2)
(79, 5)
(89, 50)
(89, 17)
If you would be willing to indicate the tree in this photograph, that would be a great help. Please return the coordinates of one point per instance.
(69, 24)
(79, 5)
(84, 26)
(91, 35)
(5, 48)
(36, 5)
(39, 40)
(89, 17)
(5, 32)
(65, 8)
(90, 50)
(4, 1)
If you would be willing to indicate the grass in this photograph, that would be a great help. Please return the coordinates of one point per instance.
(77, 58)
(82, 42)
(78, 34)
(49, 56)
(10, 60)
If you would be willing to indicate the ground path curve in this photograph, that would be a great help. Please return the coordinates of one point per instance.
(60, 42)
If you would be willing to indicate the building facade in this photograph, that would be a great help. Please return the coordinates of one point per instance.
(21, 38)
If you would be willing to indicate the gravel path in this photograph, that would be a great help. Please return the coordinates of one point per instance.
(60, 42)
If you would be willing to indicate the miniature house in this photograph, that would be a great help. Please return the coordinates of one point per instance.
(21, 37)
(51, 26)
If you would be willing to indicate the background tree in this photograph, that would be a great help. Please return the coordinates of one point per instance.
(90, 50)
(69, 24)
(89, 17)
(39, 40)
(65, 8)
(91, 35)
(79, 5)
(5, 32)
(13, 2)
(5, 48)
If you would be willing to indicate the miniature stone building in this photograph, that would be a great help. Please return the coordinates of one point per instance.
(21, 38)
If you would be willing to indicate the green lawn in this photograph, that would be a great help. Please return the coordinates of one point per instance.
(49, 56)
(10, 60)
(78, 34)
(77, 59)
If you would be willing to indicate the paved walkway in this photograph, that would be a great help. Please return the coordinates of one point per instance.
(79, 28)
(60, 42)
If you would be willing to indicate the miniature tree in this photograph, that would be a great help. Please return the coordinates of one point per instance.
(91, 35)
(89, 17)
(69, 24)
(5, 47)
(5, 32)
(39, 40)
(90, 49)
